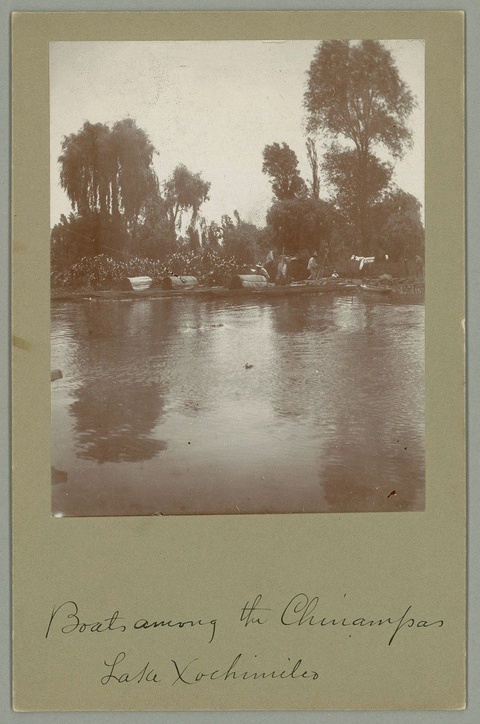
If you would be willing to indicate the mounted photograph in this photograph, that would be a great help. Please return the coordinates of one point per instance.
(237, 277)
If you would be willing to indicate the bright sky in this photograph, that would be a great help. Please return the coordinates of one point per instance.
(210, 105)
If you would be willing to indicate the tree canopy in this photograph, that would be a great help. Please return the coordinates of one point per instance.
(354, 90)
(280, 162)
(242, 239)
(184, 191)
(355, 96)
(314, 167)
(357, 108)
(299, 225)
(135, 178)
(400, 229)
(357, 187)
(108, 171)
(108, 176)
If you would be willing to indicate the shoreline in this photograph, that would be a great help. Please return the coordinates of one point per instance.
(400, 288)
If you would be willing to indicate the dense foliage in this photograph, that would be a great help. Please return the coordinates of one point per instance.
(108, 171)
(299, 225)
(103, 272)
(356, 189)
(356, 97)
(281, 164)
(125, 222)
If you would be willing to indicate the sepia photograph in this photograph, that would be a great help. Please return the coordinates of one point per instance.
(237, 277)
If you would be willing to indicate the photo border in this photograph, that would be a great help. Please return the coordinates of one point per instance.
(472, 347)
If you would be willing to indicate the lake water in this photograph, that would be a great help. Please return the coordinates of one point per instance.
(158, 414)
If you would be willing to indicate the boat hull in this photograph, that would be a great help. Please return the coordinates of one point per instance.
(267, 291)
(197, 292)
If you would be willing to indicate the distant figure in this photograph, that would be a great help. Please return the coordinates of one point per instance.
(259, 269)
(270, 264)
(312, 266)
(419, 267)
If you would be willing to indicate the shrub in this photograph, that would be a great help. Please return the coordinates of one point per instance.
(103, 272)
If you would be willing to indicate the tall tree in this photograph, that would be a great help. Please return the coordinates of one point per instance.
(87, 168)
(314, 166)
(357, 188)
(280, 162)
(184, 191)
(108, 175)
(135, 180)
(355, 94)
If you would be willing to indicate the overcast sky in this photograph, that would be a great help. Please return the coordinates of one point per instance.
(210, 105)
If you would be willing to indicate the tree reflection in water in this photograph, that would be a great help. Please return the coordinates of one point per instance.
(116, 412)
(373, 458)
(354, 373)
(329, 418)
(113, 422)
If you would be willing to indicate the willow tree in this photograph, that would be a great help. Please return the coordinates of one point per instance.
(184, 191)
(87, 167)
(355, 95)
(108, 172)
(135, 179)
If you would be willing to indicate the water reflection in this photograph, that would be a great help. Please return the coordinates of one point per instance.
(373, 455)
(113, 422)
(308, 404)
(116, 406)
